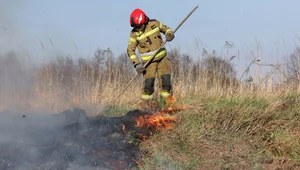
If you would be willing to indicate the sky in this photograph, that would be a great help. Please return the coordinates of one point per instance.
(45, 28)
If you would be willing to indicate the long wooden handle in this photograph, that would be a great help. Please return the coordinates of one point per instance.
(152, 57)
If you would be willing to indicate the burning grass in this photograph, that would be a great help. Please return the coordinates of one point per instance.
(160, 118)
(70, 139)
(157, 122)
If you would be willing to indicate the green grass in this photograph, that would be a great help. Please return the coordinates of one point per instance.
(233, 133)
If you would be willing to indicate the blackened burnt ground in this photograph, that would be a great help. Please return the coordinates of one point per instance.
(69, 140)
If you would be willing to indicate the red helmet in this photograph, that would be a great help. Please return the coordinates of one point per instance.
(138, 17)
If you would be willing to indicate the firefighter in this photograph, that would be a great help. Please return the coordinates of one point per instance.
(146, 36)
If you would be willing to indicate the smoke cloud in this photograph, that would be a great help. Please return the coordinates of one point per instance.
(11, 33)
(16, 64)
(69, 140)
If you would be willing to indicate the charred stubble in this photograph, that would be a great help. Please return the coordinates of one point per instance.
(69, 140)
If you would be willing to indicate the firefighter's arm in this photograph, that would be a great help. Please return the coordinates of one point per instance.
(132, 44)
(167, 31)
(164, 28)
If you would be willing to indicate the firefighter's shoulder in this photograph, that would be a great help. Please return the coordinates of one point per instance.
(153, 20)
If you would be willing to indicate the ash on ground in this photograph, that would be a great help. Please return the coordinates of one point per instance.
(69, 140)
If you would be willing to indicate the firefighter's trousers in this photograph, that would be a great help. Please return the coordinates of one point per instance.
(162, 69)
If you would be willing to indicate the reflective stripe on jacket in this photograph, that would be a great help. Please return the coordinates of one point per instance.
(147, 56)
(147, 41)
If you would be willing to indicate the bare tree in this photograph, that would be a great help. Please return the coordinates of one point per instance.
(293, 66)
(219, 66)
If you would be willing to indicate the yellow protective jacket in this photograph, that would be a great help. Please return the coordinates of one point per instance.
(148, 42)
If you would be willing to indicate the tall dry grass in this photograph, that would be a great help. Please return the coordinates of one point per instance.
(94, 83)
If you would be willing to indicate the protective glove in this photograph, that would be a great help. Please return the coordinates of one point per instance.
(170, 36)
(140, 69)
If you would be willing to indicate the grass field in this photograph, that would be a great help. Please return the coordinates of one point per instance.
(228, 123)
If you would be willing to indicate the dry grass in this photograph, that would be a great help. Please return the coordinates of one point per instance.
(229, 124)
(94, 83)
(232, 134)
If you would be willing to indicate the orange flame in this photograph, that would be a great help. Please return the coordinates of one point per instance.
(161, 119)
(155, 121)
(172, 107)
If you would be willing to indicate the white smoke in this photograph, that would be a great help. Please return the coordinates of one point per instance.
(11, 32)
